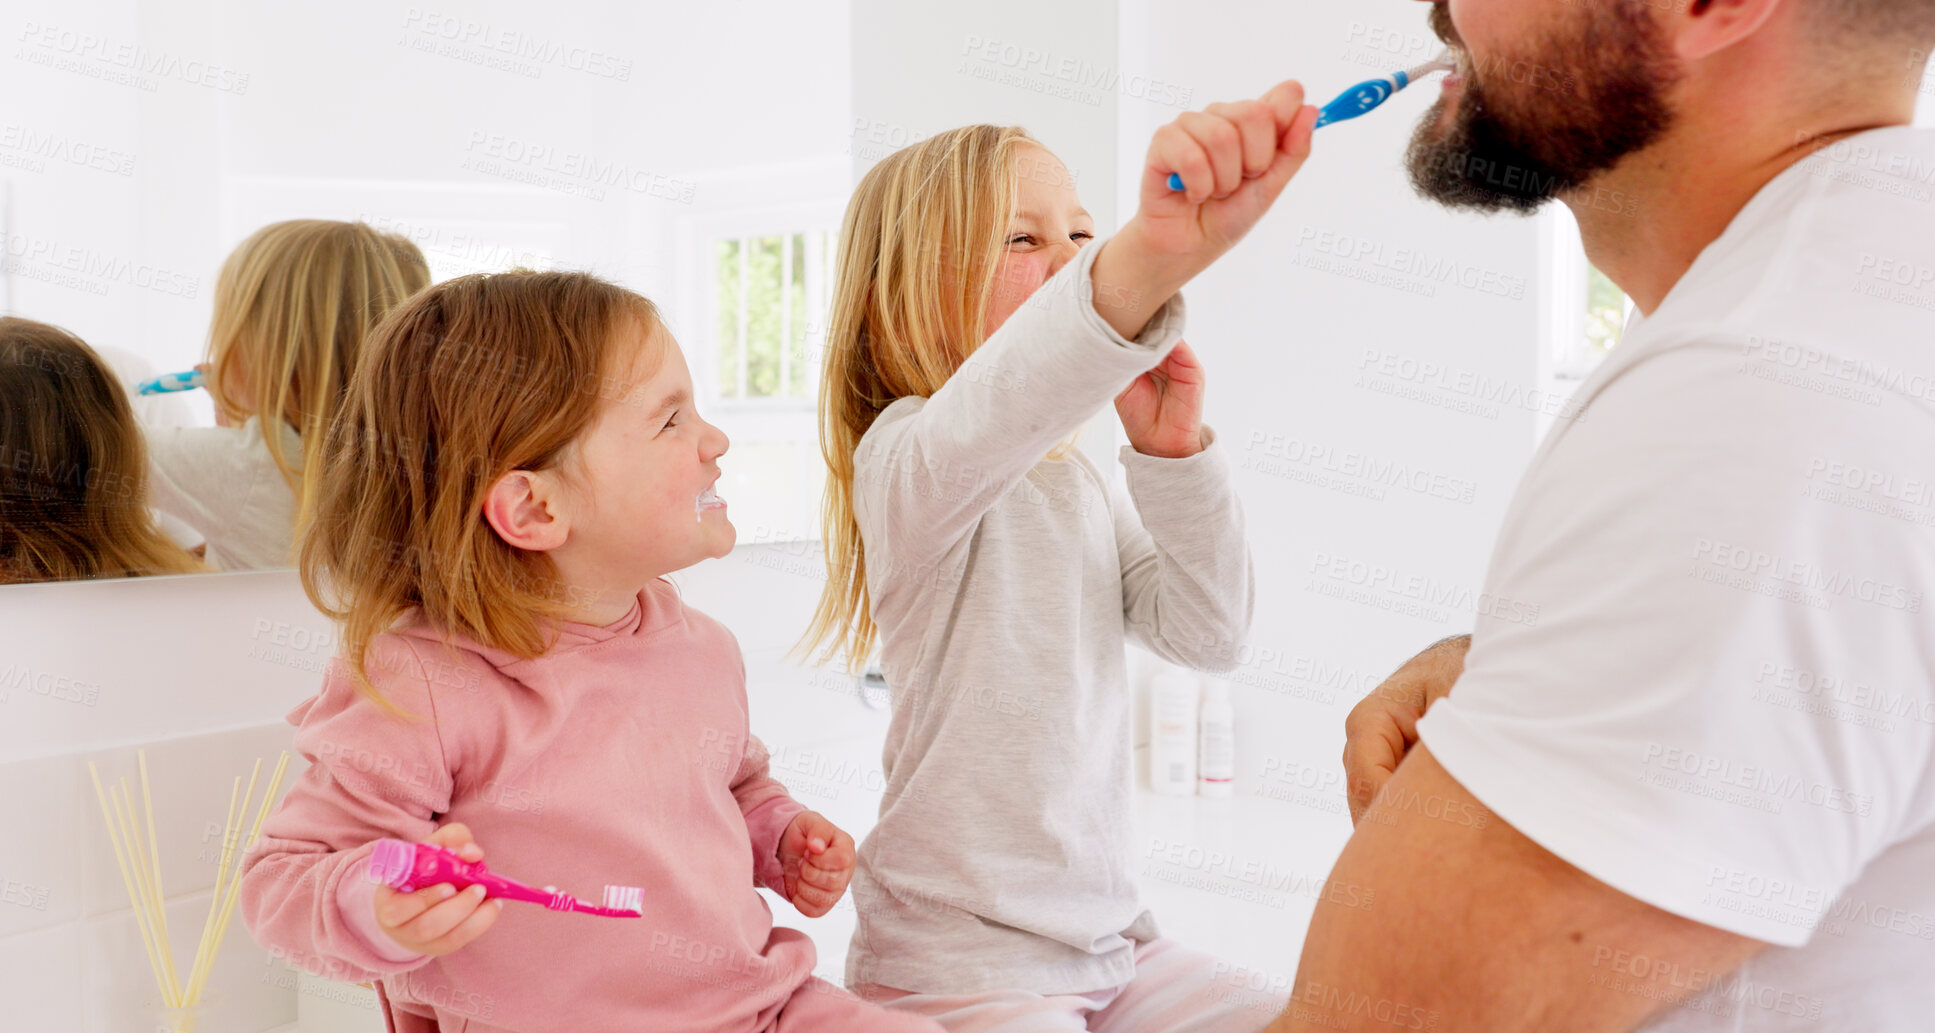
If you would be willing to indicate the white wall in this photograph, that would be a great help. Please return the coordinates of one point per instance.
(196, 671)
(919, 69)
(623, 114)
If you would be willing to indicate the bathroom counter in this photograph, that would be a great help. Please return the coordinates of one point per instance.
(1232, 876)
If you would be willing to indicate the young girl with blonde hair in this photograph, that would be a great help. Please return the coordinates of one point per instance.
(293, 304)
(517, 465)
(73, 475)
(975, 328)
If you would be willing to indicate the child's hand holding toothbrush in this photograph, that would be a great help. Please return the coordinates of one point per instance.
(818, 861)
(438, 919)
(1236, 159)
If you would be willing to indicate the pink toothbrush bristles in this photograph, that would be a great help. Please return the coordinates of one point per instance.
(625, 898)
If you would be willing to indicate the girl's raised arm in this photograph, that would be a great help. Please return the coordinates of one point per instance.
(929, 468)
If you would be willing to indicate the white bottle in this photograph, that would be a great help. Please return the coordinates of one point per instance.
(1172, 733)
(1217, 757)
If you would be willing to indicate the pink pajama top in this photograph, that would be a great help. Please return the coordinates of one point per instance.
(621, 756)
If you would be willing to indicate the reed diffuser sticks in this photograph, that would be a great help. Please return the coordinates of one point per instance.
(137, 851)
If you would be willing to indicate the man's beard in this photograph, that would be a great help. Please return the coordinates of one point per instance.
(1547, 129)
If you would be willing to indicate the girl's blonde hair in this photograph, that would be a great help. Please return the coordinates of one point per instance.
(293, 304)
(919, 247)
(469, 380)
(73, 466)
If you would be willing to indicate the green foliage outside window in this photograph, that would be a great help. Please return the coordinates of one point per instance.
(775, 352)
(1605, 313)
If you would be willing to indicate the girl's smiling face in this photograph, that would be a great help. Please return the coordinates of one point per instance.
(648, 467)
(633, 498)
(1049, 226)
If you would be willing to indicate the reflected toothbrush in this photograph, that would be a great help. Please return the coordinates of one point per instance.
(1366, 96)
(408, 867)
(168, 383)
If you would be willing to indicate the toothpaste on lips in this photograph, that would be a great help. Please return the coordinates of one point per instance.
(708, 499)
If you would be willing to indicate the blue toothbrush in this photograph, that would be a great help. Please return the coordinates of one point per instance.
(1365, 96)
(171, 382)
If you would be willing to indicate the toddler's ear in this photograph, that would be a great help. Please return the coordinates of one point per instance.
(525, 508)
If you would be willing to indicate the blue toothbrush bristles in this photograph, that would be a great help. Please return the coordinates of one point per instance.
(172, 382)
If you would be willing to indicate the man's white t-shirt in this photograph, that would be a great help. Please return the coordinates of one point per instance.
(1713, 687)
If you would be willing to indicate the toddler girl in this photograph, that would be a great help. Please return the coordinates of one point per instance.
(975, 329)
(517, 464)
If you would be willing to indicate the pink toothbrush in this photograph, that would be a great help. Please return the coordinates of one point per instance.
(407, 867)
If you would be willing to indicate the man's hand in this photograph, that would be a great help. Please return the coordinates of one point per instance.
(1384, 725)
(818, 861)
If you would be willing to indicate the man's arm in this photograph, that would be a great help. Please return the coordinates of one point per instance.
(1468, 925)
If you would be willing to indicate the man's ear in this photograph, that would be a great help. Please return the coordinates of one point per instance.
(1702, 28)
(525, 508)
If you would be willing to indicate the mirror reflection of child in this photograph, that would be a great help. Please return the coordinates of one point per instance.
(517, 465)
(293, 305)
(977, 324)
(73, 467)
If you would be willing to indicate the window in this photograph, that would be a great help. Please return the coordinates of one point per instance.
(764, 285)
(1583, 313)
(1925, 107)
(1586, 310)
(751, 264)
(1604, 318)
(772, 294)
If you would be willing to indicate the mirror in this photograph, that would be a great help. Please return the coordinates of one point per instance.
(181, 196)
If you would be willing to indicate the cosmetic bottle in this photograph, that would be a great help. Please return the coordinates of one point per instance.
(1172, 733)
(1216, 757)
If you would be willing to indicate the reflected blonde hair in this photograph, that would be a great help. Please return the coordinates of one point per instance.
(919, 246)
(73, 466)
(474, 378)
(293, 304)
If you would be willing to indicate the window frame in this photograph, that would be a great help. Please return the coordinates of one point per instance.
(702, 235)
(755, 420)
